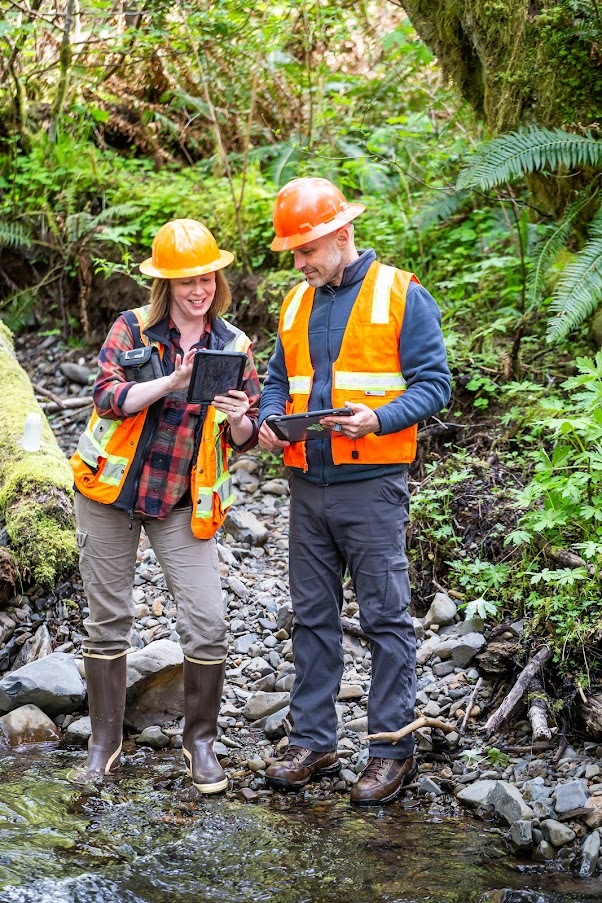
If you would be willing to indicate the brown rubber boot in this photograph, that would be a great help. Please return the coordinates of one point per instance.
(202, 697)
(105, 681)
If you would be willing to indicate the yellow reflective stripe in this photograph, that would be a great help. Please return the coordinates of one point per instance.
(299, 385)
(103, 430)
(223, 487)
(113, 471)
(204, 505)
(88, 449)
(293, 307)
(369, 381)
(381, 299)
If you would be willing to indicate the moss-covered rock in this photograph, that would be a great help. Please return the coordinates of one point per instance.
(36, 495)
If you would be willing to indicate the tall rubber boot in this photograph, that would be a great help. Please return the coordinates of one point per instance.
(105, 680)
(203, 685)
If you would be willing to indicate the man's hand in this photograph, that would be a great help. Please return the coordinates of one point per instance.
(268, 440)
(360, 423)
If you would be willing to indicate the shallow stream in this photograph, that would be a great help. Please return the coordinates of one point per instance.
(149, 838)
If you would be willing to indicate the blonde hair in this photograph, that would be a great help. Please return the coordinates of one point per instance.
(160, 299)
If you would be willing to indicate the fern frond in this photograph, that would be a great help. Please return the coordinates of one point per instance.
(546, 252)
(13, 235)
(534, 149)
(446, 206)
(579, 290)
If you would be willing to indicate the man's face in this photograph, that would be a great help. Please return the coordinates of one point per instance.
(321, 261)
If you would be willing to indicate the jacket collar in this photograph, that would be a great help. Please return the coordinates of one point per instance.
(219, 336)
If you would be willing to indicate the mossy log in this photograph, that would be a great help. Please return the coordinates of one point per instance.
(36, 494)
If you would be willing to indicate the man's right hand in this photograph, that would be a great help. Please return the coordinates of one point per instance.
(268, 440)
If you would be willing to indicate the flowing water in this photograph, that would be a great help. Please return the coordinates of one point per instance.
(149, 838)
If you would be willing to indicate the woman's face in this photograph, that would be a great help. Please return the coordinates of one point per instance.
(191, 298)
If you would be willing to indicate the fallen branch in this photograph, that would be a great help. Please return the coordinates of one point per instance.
(469, 706)
(52, 407)
(423, 721)
(563, 556)
(538, 711)
(516, 693)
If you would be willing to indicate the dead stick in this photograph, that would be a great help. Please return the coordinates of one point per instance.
(517, 691)
(469, 706)
(538, 710)
(52, 407)
(48, 394)
(423, 721)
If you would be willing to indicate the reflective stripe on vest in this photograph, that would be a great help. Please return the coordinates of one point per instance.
(367, 370)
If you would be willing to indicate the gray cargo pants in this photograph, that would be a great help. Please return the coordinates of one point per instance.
(107, 559)
(360, 525)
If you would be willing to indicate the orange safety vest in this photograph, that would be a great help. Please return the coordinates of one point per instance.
(367, 370)
(107, 448)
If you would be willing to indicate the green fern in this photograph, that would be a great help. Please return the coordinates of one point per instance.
(546, 252)
(512, 156)
(578, 292)
(13, 236)
(442, 210)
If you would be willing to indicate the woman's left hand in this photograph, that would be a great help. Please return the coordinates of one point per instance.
(234, 405)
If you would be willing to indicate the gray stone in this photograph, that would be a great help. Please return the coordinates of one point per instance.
(443, 611)
(154, 737)
(244, 526)
(466, 648)
(276, 724)
(53, 683)
(259, 705)
(476, 794)
(285, 683)
(556, 833)
(427, 785)
(590, 852)
(275, 487)
(544, 851)
(238, 588)
(78, 732)
(7, 626)
(358, 725)
(508, 803)
(569, 796)
(75, 373)
(259, 666)
(427, 649)
(521, 835)
(242, 644)
(27, 724)
(155, 689)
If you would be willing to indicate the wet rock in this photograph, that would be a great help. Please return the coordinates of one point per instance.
(155, 691)
(590, 852)
(521, 836)
(27, 724)
(477, 794)
(508, 803)
(53, 684)
(154, 737)
(544, 851)
(78, 732)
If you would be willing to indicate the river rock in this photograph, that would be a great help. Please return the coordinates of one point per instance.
(508, 803)
(155, 690)
(79, 731)
(443, 611)
(76, 373)
(53, 683)
(259, 705)
(589, 855)
(477, 794)
(27, 724)
(569, 796)
(244, 526)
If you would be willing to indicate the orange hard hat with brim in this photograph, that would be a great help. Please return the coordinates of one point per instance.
(307, 209)
(184, 248)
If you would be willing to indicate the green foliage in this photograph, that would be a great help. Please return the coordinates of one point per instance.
(578, 291)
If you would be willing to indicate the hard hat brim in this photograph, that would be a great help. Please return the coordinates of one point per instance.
(225, 258)
(289, 242)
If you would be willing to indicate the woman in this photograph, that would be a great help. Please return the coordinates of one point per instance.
(147, 458)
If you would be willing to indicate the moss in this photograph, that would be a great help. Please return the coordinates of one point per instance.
(35, 488)
(515, 60)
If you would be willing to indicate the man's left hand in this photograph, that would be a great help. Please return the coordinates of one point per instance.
(360, 423)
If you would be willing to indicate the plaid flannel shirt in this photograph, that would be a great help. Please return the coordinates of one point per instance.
(165, 476)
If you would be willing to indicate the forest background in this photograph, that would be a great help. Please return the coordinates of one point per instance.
(471, 131)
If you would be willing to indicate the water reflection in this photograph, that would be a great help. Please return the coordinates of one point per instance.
(149, 838)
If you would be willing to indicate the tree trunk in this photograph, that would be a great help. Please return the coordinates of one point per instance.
(517, 61)
(36, 495)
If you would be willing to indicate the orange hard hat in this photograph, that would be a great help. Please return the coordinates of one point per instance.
(309, 208)
(182, 248)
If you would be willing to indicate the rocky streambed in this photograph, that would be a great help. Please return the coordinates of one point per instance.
(540, 801)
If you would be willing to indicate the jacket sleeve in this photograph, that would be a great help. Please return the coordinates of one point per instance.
(423, 365)
(275, 392)
(111, 387)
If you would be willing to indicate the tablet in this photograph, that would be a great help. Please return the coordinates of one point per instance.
(301, 427)
(215, 373)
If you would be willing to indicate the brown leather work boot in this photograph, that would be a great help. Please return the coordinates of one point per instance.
(298, 766)
(382, 781)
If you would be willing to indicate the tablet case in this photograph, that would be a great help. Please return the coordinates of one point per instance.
(301, 427)
(215, 373)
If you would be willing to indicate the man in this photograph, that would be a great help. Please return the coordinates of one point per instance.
(368, 337)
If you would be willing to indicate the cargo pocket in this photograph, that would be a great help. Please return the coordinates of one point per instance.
(397, 593)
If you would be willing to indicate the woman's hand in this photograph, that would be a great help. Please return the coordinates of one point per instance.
(180, 378)
(141, 395)
(234, 405)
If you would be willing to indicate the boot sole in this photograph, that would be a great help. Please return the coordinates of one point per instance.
(408, 778)
(203, 788)
(283, 784)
